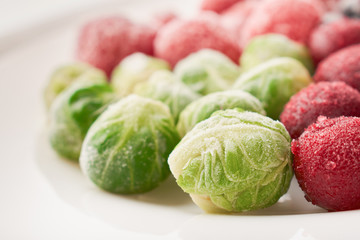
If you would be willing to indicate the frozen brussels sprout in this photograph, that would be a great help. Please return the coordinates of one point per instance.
(66, 75)
(126, 149)
(268, 46)
(134, 69)
(72, 113)
(234, 161)
(162, 86)
(202, 108)
(207, 71)
(274, 82)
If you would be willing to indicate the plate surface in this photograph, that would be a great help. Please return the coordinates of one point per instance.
(45, 197)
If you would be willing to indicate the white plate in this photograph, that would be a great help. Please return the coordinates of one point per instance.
(45, 197)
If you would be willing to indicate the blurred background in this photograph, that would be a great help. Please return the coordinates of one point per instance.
(19, 18)
(23, 19)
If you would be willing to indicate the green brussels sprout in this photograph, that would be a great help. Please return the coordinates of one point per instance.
(126, 149)
(202, 108)
(234, 161)
(72, 113)
(269, 46)
(274, 82)
(66, 75)
(162, 86)
(134, 69)
(207, 71)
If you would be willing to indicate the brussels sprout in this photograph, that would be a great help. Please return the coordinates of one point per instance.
(162, 86)
(126, 149)
(274, 82)
(234, 161)
(66, 75)
(207, 71)
(72, 113)
(269, 46)
(202, 108)
(135, 69)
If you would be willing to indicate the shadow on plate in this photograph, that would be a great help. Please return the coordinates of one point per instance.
(152, 212)
(160, 211)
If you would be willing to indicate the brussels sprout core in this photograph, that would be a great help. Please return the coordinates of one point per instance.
(207, 71)
(162, 86)
(135, 69)
(202, 108)
(234, 161)
(72, 113)
(269, 46)
(126, 149)
(66, 75)
(274, 82)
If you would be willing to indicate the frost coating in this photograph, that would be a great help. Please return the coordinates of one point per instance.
(126, 149)
(327, 163)
(202, 108)
(135, 69)
(234, 161)
(274, 82)
(207, 71)
(269, 46)
(162, 86)
(72, 113)
(66, 75)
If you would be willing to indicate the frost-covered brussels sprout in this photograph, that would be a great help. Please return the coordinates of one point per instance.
(202, 108)
(135, 69)
(126, 149)
(265, 47)
(207, 71)
(234, 161)
(66, 75)
(274, 82)
(72, 113)
(162, 86)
